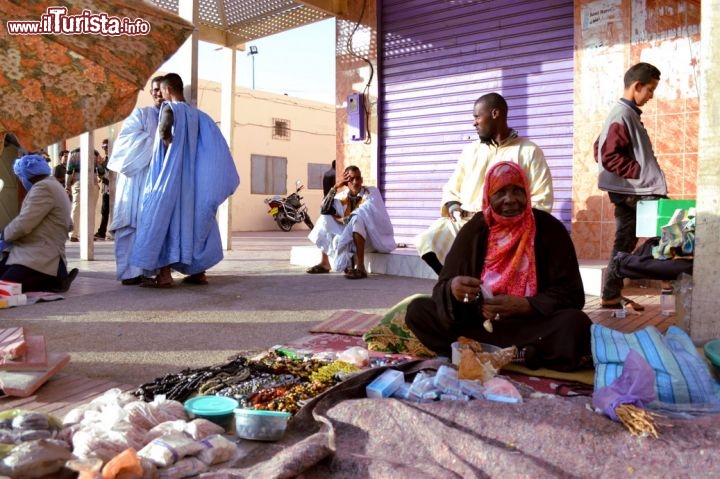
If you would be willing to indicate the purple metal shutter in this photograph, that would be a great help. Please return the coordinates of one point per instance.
(437, 57)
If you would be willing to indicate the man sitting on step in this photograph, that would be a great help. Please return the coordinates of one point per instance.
(352, 221)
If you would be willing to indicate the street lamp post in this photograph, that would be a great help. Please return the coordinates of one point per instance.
(253, 51)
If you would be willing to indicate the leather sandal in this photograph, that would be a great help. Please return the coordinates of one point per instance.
(154, 283)
(356, 274)
(132, 281)
(619, 303)
(317, 269)
(614, 303)
(197, 278)
(635, 306)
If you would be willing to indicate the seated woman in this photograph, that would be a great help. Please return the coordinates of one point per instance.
(33, 243)
(526, 259)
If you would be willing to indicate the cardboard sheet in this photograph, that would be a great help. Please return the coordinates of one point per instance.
(25, 383)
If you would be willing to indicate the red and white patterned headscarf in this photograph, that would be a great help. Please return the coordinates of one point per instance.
(510, 260)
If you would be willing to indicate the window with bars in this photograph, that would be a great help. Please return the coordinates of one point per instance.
(268, 175)
(281, 129)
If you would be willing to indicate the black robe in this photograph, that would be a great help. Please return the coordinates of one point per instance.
(559, 331)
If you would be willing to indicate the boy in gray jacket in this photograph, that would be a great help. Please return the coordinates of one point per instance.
(628, 169)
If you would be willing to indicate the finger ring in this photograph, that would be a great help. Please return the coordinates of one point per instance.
(497, 316)
(466, 299)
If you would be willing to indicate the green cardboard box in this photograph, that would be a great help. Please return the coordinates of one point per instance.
(653, 215)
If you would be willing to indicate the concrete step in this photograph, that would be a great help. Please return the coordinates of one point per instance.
(407, 262)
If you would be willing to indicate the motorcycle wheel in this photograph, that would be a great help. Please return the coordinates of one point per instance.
(308, 222)
(284, 223)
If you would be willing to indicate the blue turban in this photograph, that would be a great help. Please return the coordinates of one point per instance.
(29, 166)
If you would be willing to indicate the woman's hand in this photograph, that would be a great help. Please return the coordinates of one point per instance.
(463, 287)
(503, 306)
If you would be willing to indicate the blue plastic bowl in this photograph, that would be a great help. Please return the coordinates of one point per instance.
(218, 409)
(712, 351)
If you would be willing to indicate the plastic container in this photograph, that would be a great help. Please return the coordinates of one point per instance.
(218, 409)
(260, 425)
(667, 302)
(488, 348)
(385, 384)
(712, 351)
(652, 215)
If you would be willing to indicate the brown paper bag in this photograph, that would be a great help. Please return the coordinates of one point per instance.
(478, 364)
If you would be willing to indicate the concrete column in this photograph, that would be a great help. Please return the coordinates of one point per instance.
(704, 321)
(227, 125)
(54, 153)
(88, 179)
(188, 52)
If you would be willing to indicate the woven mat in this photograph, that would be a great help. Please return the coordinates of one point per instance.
(345, 321)
(40, 296)
(324, 342)
(344, 328)
(585, 376)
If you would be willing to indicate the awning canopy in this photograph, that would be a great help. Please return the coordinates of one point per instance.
(231, 23)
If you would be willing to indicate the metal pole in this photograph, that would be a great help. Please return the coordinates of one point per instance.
(253, 71)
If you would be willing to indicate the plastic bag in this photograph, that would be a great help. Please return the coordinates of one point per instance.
(502, 390)
(683, 301)
(165, 450)
(35, 459)
(635, 385)
(200, 428)
(160, 410)
(111, 397)
(18, 425)
(356, 356)
(191, 466)
(96, 441)
(126, 464)
(216, 449)
(475, 363)
(167, 427)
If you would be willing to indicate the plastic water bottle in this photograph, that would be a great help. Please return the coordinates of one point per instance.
(667, 302)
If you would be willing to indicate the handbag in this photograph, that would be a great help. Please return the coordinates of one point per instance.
(328, 204)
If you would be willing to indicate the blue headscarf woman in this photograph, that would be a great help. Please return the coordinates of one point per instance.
(34, 241)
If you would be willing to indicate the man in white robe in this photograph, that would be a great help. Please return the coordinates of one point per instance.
(132, 152)
(463, 193)
(352, 221)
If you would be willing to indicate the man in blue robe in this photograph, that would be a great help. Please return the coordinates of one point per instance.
(132, 152)
(192, 172)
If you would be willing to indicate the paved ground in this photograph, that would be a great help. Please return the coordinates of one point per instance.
(255, 299)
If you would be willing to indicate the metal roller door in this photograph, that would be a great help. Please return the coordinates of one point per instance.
(437, 57)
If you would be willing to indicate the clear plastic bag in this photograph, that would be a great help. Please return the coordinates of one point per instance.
(166, 450)
(356, 356)
(188, 467)
(216, 449)
(33, 459)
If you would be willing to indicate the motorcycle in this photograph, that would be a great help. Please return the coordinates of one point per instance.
(289, 210)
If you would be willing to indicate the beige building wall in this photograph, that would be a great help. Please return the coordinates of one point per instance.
(311, 140)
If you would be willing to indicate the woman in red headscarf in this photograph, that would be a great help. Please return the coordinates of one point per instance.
(526, 260)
